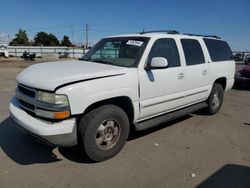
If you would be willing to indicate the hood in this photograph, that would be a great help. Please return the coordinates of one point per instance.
(48, 76)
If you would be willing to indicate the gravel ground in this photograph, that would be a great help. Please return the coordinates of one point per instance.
(194, 151)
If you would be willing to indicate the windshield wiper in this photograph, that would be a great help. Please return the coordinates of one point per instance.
(83, 59)
(104, 62)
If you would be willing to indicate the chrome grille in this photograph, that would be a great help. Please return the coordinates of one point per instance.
(26, 97)
(27, 91)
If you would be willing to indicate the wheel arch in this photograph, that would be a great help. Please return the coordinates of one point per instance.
(124, 102)
(222, 81)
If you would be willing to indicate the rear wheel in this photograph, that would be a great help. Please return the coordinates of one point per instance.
(215, 99)
(103, 132)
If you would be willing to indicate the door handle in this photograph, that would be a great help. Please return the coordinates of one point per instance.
(204, 72)
(180, 76)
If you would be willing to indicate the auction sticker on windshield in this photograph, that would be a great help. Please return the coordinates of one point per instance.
(134, 42)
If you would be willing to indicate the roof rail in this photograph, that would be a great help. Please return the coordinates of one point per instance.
(176, 32)
(161, 31)
(212, 36)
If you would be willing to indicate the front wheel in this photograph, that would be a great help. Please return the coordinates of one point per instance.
(215, 99)
(103, 132)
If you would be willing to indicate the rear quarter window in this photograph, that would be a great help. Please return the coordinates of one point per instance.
(218, 50)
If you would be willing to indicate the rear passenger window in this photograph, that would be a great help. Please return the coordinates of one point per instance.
(192, 51)
(166, 48)
(218, 50)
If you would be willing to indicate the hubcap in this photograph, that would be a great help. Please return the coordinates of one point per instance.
(216, 100)
(107, 134)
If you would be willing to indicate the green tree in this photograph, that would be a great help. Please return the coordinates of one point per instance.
(41, 38)
(21, 39)
(45, 39)
(65, 41)
(53, 41)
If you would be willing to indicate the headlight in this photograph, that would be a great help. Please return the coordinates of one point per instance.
(238, 74)
(54, 106)
(52, 98)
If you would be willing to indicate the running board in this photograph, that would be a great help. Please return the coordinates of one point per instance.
(153, 122)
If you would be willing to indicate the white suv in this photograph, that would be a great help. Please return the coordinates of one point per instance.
(137, 80)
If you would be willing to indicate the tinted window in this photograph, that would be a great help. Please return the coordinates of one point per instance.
(192, 51)
(218, 50)
(166, 48)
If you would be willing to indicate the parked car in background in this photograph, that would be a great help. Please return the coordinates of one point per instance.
(242, 77)
(4, 49)
(238, 57)
(247, 60)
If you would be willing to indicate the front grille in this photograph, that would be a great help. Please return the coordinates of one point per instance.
(27, 106)
(26, 96)
(27, 91)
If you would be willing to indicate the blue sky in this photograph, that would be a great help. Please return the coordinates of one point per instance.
(226, 18)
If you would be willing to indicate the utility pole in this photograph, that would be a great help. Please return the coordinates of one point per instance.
(86, 35)
(72, 33)
(9, 39)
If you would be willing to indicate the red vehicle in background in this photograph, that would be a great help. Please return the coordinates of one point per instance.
(242, 77)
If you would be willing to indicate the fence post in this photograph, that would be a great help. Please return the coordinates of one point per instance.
(41, 51)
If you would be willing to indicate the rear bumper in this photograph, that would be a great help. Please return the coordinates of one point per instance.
(61, 133)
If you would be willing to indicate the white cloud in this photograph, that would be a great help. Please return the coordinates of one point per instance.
(4, 37)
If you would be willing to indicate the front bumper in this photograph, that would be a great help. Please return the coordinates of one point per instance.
(242, 82)
(242, 79)
(61, 133)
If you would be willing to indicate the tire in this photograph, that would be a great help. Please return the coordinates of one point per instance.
(215, 99)
(103, 132)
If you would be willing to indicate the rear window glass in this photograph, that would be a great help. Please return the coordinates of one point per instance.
(218, 50)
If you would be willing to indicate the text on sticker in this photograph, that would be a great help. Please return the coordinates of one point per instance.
(134, 42)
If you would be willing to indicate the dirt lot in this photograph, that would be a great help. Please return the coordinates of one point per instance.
(214, 148)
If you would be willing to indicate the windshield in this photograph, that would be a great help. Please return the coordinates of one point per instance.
(124, 51)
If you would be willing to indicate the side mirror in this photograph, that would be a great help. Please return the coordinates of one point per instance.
(157, 63)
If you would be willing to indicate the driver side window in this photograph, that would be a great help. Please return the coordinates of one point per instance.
(166, 48)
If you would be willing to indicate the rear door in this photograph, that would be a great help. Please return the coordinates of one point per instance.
(196, 71)
(162, 90)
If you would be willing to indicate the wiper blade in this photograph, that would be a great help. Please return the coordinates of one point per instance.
(83, 59)
(104, 62)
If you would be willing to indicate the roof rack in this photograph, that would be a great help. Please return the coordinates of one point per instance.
(161, 31)
(212, 36)
(176, 32)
